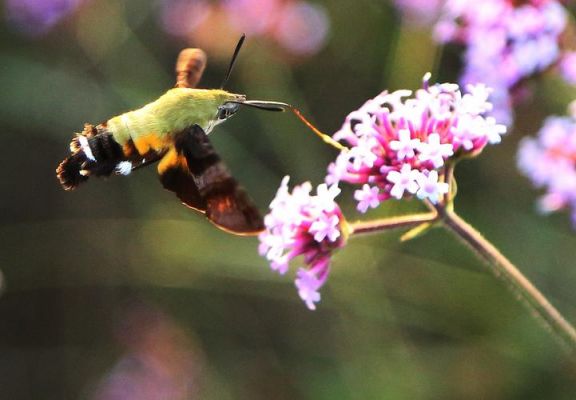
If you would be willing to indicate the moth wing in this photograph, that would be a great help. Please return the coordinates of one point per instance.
(189, 67)
(224, 201)
(230, 208)
(176, 177)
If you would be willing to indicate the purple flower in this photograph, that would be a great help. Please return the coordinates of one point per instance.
(568, 67)
(430, 188)
(36, 17)
(549, 160)
(397, 142)
(435, 152)
(300, 224)
(403, 180)
(368, 197)
(181, 17)
(298, 26)
(520, 38)
(302, 27)
(405, 145)
(254, 17)
(419, 12)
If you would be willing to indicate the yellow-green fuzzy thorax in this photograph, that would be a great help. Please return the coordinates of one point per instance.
(174, 111)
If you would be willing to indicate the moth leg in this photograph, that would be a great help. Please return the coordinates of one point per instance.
(189, 67)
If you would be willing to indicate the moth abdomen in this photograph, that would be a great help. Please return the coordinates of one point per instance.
(95, 152)
(68, 171)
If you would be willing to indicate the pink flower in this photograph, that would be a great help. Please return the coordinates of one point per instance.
(549, 160)
(405, 145)
(568, 67)
(298, 26)
(403, 180)
(433, 151)
(37, 17)
(398, 142)
(302, 27)
(368, 197)
(505, 42)
(430, 188)
(419, 12)
(300, 224)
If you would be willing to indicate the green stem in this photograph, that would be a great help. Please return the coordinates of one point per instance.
(502, 268)
(407, 221)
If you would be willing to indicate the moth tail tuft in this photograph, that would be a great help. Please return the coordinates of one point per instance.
(70, 171)
(95, 152)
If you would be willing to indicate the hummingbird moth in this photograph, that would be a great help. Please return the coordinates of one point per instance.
(173, 131)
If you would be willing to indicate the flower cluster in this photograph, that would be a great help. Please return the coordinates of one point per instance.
(298, 26)
(550, 162)
(302, 224)
(506, 42)
(398, 144)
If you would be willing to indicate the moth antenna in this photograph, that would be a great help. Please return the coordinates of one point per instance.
(233, 60)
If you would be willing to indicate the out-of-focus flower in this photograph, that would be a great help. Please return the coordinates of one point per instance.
(181, 17)
(160, 361)
(36, 17)
(568, 67)
(506, 42)
(398, 143)
(549, 160)
(300, 224)
(302, 28)
(298, 26)
(419, 12)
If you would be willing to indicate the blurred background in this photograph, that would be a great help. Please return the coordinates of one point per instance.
(116, 291)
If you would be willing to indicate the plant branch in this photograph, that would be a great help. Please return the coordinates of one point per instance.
(502, 268)
(407, 221)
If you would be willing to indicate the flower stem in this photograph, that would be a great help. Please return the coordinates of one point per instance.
(502, 268)
(407, 221)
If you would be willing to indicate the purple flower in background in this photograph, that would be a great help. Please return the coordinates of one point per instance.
(36, 17)
(419, 12)
(397, 142)
(506, 42)
(568, 67)
(181, 17)
(300, 224)
(254, 17)
(549, 160)
(300, 27)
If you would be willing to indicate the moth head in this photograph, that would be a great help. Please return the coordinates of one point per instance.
(226, 110)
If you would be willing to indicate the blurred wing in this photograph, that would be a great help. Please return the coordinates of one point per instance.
(202, 181)
(176, 177)
(189, 67)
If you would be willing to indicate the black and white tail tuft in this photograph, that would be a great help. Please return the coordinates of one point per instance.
(94, 153)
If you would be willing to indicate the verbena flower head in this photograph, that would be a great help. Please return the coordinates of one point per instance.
(399, 142)
(301, 224)
(549, 160)
(506, 42)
